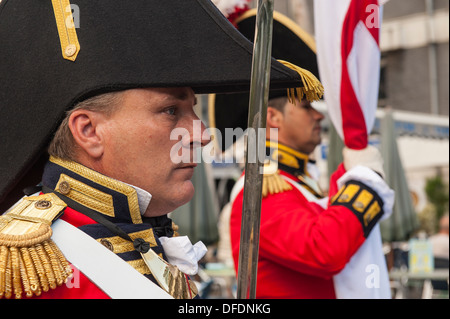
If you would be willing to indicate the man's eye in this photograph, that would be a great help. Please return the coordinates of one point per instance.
(170, 110)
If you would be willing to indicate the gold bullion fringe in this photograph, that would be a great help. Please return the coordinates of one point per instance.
(175, 230)
(180, 286)
(274, 184)
(31, 270)
(312, 87)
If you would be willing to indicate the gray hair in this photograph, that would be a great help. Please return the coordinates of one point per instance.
(63, 144)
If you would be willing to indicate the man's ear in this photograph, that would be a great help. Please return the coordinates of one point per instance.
(274, 117)
(84, 127)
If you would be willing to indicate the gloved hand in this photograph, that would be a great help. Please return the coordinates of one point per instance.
(369, 157)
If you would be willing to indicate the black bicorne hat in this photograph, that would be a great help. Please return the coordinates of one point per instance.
(54, 53)
(289, 43)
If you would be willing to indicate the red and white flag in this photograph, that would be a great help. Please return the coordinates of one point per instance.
(348, 36)
(348, 53)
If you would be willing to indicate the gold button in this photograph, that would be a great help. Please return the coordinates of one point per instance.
(344, 197)
(107, 244)
(43, 204)
(64, 188)
(359, 205)
(70, 50)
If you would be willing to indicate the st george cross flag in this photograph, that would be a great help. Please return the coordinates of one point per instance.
(347, 36)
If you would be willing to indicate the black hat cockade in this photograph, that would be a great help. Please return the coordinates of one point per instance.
(54, 53)
(293, 47)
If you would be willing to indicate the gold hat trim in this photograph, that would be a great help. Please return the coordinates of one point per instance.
(212, 119)
(312, 87)
(317, 88)
(70, 47)
(288, 23)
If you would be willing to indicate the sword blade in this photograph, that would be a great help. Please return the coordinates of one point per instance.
(158, 267)
(259, 94)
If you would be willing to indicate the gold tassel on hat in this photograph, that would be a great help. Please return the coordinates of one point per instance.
(30, 262)
(312, 87)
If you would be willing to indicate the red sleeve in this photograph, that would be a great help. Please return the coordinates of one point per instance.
(301, 235)
(333, 188)
(77, 287)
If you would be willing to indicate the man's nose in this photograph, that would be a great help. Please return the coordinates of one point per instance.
(318, 115)
(199, 136)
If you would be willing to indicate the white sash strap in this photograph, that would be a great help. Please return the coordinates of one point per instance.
(308, 195)
(108, 271)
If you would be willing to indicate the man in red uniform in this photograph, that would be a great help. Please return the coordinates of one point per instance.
(306, 239)
(112, 95)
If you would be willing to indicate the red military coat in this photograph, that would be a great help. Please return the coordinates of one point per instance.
(99, 207)
(302, 245)
(79, 287)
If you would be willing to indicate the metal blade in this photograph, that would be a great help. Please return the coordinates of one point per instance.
(259, 94)
(159, 268)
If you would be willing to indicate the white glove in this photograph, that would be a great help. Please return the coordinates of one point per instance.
(181, 253)
(367, 176)
(369, 157)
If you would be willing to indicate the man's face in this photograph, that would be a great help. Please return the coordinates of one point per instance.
(138, 144)
(300, 128)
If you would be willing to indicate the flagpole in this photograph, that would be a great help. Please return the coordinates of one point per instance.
(259, 93)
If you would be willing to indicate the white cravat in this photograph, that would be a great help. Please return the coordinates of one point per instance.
(179, 250)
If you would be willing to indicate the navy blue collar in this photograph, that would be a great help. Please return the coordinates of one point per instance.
(115, 200)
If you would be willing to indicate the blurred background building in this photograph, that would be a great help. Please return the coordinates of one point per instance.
(415, 46)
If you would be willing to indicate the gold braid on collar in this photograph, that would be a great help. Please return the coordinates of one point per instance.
(287, 156)
(294, 163)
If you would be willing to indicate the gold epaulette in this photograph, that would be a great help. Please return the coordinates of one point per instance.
(273, 183)
(30, 262)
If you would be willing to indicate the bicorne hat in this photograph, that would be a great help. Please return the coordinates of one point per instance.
(289, 43)
(54, 53)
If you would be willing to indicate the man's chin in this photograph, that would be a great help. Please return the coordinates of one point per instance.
(175, 198)
(184, 193)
